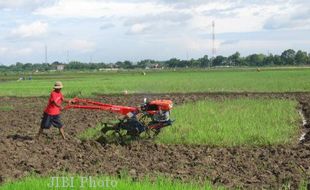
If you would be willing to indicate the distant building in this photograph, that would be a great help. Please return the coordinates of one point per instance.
(60, 67)
(108, 69)
(152, 66)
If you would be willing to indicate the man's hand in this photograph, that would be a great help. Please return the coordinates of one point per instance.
(70, 101)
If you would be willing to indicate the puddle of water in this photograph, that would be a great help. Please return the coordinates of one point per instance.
(304, 121)
(303, 137)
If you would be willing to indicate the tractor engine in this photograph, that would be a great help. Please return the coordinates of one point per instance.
(158, 110)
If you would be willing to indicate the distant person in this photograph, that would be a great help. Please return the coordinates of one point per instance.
(51, 114)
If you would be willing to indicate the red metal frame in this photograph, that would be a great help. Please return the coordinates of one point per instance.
(77, 103)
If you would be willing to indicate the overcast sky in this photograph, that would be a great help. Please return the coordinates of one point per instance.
(112, 30)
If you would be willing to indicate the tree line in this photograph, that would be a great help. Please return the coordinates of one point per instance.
(287, 57)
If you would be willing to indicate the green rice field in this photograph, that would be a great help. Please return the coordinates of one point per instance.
(88, 84)
(233, 122)
(102, 182)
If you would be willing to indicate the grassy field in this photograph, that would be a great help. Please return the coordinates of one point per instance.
(6, 108)
(233, 122)
(85, 84)
(230, 122)
(102, 182)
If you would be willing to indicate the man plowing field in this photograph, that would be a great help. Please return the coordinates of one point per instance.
(149, 118)
(51, 114)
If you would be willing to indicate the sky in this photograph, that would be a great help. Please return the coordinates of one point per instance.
(118, 30)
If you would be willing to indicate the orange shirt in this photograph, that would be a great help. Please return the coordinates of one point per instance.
(51, 108)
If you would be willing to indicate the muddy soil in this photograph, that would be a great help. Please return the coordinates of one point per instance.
(245, 167)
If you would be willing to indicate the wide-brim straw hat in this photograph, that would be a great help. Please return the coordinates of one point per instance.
(58, 85)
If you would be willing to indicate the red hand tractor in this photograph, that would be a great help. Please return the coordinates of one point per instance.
(149, 118)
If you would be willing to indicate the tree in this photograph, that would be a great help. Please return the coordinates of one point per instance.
(277, 60)
(269, 60)
(27, 67)
(301, 57)
(204, 61)
(234, 59)
(255, 60)
(193, 63)
(127, 65)
(76, 65)
(288, 57)
(219, 61)
(145, 63)
(173, 62)
(119, 64)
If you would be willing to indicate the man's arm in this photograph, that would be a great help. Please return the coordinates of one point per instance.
(58, 105)
(70, 101)
(55, 99)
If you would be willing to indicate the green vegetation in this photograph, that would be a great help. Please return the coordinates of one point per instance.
(6, 108)
(86, 84)
(233, 122)
(95, 183)
(38, 183)
(288, 57)
(94, 132)
(91, 133)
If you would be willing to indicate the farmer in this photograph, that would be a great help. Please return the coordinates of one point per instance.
(51, 115)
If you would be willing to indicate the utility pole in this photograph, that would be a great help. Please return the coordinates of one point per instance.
(213, 43)
(67, 56)
(45, 53)
(187, 54)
